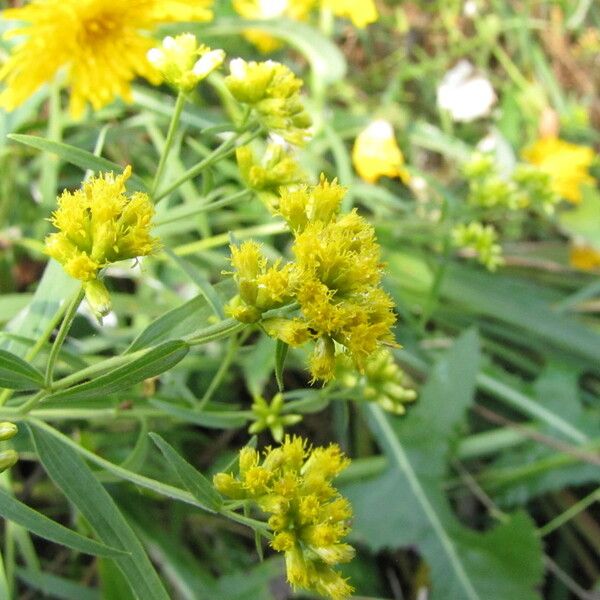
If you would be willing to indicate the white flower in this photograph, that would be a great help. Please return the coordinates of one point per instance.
(465, 94)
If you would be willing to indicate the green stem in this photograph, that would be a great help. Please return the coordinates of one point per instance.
(222, 151)
(215, 332)
(51, 162)
(32, 402)
(570, 513)
(61, 335)
(173, 126)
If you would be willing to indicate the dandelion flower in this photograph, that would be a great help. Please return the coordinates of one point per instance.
(465, 94)
(102, 45)
(360, 12)
(567, 164)
(376, 153)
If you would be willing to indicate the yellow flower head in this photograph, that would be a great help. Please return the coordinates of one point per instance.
(183, 63)
(567, 164)
(360, 12)
(308, 516)
(376, 153)
(99, 225)
(273, 92)
(102, 44)
(278, 169)
(297, 10)
(584, 258)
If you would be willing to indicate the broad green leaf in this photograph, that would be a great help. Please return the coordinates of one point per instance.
(153, 363)
(16, 374)
(56, 587)
(76, 156)
(505, 562)
(17, 512)
(281, 350)
(211, 419)
(43, 313)
(70, 473)
(192, 479)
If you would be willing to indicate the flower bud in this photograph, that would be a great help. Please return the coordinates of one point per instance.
(8, 458)
(7, 430)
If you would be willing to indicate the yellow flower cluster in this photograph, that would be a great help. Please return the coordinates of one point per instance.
(183, 63)
(382, 382)
(277, 169)
(101, 43)
(376, 153)
(292, 484)
(335, 279)
(360, 12)
(482, 240)
(567, 165)
(99, 225)
(273, 93)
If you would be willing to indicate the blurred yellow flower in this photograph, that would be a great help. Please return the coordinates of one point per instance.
(376, 153)
(360, 12)
(568, 165)
(297, 10)
(102, 44)
(585, 258)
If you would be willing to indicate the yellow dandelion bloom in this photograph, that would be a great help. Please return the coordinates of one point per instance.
(567, 164)
(102, 45)
(360, 12)
(376, 153)
(584, 258)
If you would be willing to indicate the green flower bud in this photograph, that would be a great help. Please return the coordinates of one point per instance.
(7, 430)
(8, 458)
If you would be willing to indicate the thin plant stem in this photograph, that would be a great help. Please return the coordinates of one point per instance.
(173, 126)
(50, 162)
(61, 335)
(224, 150)
(570, 513)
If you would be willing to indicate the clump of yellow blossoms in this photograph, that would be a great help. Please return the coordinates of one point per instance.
(567, 165)
(183, 63)
(584, 257)
(309, 518)
(383, 382)
(102, 44)
(99, 225)
(272, 91)
(376, 153)
(277, 169)
(335, 279)
(296, 10)
(482, 240)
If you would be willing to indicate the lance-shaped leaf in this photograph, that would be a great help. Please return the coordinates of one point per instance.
(407, 505)
(16, 374)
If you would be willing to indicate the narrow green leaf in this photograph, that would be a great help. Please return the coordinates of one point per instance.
(206, 418)
(13, 510)
(77, 482)
(154, 362)
(16, 374)
(76, 156)
(191, 478)
(281, 350)
(56, 587)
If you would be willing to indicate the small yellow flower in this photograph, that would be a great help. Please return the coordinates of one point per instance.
(585, 258)
(376, 153)
(183, 63)
(360, 12)
(101, 43)
(567, 164)
(297, 10)
(99, 225)
(273, 92)
(308, 516)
